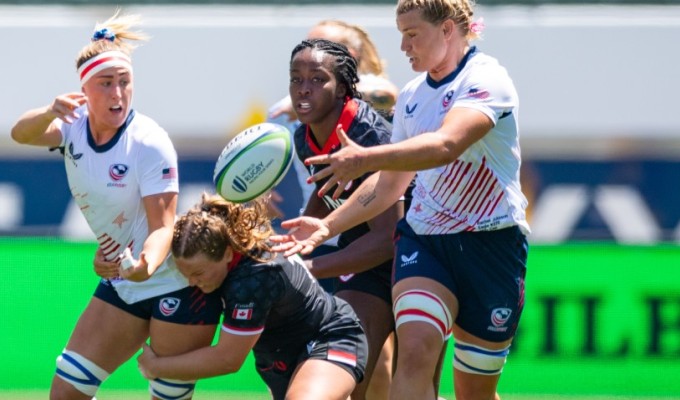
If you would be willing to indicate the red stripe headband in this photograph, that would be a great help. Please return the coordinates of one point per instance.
(102, 61)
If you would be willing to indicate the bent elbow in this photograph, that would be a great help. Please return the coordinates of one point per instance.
(18, 137)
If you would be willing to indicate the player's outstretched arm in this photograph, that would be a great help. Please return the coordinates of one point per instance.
(304, 234)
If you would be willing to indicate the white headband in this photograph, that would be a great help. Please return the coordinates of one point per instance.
(102, 61)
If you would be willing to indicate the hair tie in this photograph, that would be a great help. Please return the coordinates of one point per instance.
(478, 26)
(103, 34)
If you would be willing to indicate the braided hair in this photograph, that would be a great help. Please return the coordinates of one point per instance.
(344, 65)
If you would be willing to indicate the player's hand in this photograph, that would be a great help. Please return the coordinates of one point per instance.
(145, 362)
(64, 106)
(304, 234)
(344, 165)
(102, 267)
(286, 109)
(138, 272)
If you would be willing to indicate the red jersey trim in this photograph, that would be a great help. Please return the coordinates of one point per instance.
(349, 112)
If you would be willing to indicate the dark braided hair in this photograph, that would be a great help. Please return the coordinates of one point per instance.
(344, 67)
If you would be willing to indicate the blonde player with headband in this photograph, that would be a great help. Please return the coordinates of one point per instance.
(461, 251)
(122, 172)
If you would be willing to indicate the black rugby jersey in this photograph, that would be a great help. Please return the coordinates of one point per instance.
(364, 126)
(278, 298)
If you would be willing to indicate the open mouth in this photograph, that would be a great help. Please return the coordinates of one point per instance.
(303, 107)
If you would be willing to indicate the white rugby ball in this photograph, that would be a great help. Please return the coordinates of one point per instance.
(253, 162)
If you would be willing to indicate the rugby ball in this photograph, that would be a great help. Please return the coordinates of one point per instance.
(253, 162)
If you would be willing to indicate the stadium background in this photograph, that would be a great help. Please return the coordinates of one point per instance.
(600, 137)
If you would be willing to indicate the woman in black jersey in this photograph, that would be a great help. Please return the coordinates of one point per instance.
(324, 95)
(307, 343)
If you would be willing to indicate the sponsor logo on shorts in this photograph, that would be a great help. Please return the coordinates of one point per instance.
(276, 365)
(499, 317)
(409, 260)
(310, 346)
(346, 278)
(169, 305)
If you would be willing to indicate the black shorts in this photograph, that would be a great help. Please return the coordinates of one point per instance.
(376, 281)
(484, 270)
(340, 341)
(188, 306)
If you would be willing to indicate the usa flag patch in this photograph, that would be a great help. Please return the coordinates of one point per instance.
(169, 173)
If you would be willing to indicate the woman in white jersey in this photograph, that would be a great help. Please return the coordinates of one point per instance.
(122, 172)
(461, 251)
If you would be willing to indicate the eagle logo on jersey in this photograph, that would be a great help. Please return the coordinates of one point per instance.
(118, 171)
(446, 101)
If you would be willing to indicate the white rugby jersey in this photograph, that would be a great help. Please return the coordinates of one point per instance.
(480, 191)
(108, 183)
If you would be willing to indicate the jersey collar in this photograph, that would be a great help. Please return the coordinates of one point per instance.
(349, 112)
(450, 77)
(108, 145)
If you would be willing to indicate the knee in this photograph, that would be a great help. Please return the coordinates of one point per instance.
(171, 389)
(76, 372)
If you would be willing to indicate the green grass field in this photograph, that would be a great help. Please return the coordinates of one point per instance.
(134, 395)
(600, 322)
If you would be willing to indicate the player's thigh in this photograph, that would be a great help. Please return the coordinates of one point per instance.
(169, 338)
(107, 335)
(374, 313)
(428, 288)
(424, 312)
(184, 320)
(319, 379)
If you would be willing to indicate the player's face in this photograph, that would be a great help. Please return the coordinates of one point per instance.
(421, 41)
(313, 89)
(109, 95)
(204, 273)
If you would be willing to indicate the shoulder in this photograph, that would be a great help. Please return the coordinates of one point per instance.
(147, 133)
(252, 278)
(144, 128)
(484, 66)
(414, 83)
(369, 127)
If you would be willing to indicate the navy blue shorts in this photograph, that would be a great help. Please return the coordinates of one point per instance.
(484, 270)
(340, 339)
(376, 281)
(188, 306)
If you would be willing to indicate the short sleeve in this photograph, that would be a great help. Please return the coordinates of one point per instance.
(157, 163)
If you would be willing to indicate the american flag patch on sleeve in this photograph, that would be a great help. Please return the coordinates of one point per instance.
(169, 173)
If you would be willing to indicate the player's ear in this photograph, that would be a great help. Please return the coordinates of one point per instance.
(448, 26)
(228, 255)
(341, 91)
